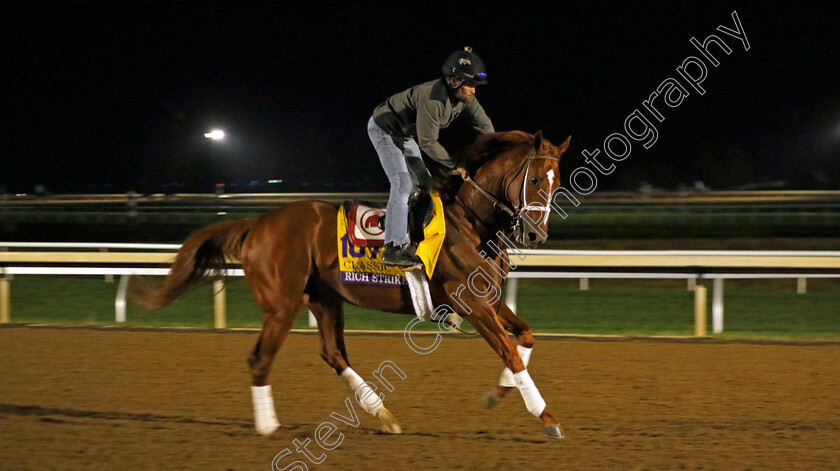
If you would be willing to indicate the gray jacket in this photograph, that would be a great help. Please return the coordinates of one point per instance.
(422, 111)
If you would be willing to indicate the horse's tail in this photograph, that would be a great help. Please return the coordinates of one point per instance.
(202, 259)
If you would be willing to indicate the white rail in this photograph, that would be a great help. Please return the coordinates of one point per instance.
(89, 245)
(692, 265)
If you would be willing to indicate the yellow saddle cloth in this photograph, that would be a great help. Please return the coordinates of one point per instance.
(363, 263)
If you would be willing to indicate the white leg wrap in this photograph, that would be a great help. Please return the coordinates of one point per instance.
(364, 395)
(265, 418)
(533, 401)
(507, 376)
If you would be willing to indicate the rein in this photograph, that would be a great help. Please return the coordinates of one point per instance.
(514, 213)
(493, 199)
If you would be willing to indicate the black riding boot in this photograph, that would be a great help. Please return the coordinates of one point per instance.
(399, 256)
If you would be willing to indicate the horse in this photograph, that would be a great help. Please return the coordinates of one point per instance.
(290, 260)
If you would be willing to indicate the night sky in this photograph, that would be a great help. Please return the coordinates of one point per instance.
(116, 96)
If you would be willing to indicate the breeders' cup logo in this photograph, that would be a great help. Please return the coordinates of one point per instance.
(369, 223)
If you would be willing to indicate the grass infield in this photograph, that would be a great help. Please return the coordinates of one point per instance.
(765, 309)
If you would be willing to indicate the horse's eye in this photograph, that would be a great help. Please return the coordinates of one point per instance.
(534, 180)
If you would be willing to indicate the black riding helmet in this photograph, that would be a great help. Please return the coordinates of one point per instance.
(465, 65)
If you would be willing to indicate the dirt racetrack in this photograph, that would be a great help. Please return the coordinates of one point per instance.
(86, 399)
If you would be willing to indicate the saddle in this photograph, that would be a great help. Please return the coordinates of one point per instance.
(366, 221)
(361, 236)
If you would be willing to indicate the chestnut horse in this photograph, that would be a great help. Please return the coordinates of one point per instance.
(290, 260)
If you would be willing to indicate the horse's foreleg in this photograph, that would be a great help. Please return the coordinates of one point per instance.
(515, 325)
(329, 313)
(490, 328)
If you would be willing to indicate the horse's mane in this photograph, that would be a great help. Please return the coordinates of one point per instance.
(483, 149)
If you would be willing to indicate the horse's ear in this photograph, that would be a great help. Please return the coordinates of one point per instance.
(565, 145)
(538, 140)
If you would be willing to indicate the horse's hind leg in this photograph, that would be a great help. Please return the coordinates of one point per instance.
(329, 312)
(281, 304)
(515, 325)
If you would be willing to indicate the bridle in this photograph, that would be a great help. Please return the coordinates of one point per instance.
(522, 205)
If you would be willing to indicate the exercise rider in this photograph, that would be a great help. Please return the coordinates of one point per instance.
(416, 116)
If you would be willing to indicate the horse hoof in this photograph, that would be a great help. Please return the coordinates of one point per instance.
(393, 428)
(268, 430)
(554, 431)
(389, 422)
(490, 400)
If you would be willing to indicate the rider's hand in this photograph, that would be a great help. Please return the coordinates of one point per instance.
(463, 172)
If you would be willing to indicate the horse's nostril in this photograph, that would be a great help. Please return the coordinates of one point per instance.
(532, 237)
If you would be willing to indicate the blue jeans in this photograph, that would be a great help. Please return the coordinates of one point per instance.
(402, 162)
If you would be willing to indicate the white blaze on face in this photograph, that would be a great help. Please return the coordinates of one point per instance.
(550, 176)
